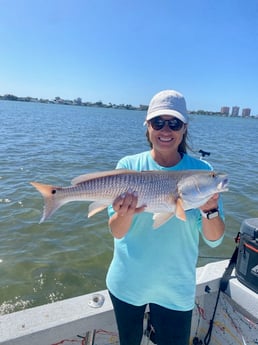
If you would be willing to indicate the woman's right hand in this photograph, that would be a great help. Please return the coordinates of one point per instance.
(125, 206)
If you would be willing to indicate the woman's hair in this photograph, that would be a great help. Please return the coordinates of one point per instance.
(182, 148)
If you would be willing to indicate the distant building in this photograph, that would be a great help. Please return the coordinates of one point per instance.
(224, 110)
(246, 112)
(235, 111)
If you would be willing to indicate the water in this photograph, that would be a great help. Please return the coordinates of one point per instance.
(69, 254)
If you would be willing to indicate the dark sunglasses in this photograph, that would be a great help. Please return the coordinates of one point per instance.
(158, 123)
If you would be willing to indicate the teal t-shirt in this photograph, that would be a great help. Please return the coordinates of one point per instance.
(158, 266)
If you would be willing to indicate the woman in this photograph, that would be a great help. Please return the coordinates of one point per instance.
(157, 267)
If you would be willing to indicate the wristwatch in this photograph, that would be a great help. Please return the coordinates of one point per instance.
(210, 214)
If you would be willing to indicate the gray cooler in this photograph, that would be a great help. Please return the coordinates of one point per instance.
(247, 260)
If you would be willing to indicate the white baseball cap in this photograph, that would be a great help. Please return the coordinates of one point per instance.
(168, 102)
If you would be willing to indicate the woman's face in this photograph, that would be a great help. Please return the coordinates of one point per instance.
(166, 139)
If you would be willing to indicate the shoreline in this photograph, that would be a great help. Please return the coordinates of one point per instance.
(99, 104)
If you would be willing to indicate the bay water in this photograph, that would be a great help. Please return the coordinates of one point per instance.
(69, 254)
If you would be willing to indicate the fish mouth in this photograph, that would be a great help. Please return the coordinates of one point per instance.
(223, 184)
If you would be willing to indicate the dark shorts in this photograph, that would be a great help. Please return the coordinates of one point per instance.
(171, 327)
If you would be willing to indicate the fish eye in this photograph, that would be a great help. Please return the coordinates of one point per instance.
(213, 174)
(54, 191)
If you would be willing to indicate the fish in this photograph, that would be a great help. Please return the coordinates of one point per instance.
(163, 193)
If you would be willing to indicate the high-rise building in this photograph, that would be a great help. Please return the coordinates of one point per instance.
(235, 111)
(246, 112)
(225, 110)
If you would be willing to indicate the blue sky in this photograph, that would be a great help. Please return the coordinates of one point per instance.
(124, 51)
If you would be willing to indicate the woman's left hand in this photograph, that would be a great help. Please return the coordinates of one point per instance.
(213, 228)
(211, 203)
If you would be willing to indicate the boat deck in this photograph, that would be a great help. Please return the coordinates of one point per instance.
(89, 319)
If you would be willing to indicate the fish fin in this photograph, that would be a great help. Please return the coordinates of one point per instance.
(161, 218)
(91, 176)
(96, 207)
(180, 212)
(51, 202)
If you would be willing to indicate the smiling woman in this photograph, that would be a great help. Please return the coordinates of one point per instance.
(166, 138)
(157, 257)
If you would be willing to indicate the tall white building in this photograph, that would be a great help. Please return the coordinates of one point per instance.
(235, 111)
(225, 110)
(246, 112)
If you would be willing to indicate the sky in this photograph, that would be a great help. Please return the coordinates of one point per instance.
(125, 51)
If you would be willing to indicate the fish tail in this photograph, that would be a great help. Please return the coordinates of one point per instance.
(51, 202)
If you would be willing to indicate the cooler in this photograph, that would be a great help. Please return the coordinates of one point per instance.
(247, 260)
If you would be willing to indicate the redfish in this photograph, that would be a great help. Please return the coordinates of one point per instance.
(165, 193)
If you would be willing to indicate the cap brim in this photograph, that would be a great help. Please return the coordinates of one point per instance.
(167, 112)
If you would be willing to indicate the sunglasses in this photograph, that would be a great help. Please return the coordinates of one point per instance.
(158, 123)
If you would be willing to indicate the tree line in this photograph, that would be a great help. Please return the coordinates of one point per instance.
(78, 101)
